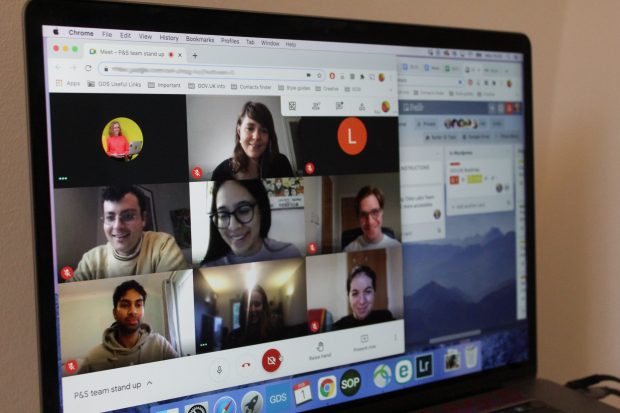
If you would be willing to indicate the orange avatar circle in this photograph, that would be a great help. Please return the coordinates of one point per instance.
(352, 136)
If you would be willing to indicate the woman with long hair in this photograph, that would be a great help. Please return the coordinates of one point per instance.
(256, 153)
(240, 222)
(117, 145)
(256, 324)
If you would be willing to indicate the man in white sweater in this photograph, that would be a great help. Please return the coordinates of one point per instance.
(130, 250)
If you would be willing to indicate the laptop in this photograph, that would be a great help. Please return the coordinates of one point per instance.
(135, 147)
(331, 215)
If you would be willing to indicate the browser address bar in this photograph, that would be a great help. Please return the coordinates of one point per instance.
(209, 71)
(430, 81)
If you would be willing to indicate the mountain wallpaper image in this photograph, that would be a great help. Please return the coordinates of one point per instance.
(460, 284)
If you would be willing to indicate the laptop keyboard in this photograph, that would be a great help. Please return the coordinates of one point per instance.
(533, 406)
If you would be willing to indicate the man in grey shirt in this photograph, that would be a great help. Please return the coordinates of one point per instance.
(128, 340)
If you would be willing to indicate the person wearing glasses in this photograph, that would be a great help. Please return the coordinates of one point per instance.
(256, 153)
(369, 204)
(130, 250)
(240, 222)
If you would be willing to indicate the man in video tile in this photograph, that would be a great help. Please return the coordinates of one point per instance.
(130, 250)
(128, 340)
(256, 153)
(361, 288)
(369, 204)
(240, 223)
(256, 323)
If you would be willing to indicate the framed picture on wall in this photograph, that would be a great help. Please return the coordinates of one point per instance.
(182, 227)
(285, 193)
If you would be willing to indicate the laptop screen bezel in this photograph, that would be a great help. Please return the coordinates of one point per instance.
(187, 20)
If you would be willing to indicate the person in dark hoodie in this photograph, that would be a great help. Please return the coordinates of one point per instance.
(128, 340)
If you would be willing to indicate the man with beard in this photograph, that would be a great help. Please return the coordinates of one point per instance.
(128, 340)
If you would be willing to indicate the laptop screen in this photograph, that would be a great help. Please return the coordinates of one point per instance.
(241, 222)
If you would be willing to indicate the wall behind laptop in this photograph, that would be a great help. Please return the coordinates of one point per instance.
(577, 96)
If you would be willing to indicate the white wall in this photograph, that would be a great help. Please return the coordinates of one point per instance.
(184, 285)
(313, 219)
(287, 225)
(200, 205)
(578, 197)
(576, 127)
(327, 283)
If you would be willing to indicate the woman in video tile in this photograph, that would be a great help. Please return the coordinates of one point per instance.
(361, 287)
(256, 153)
(240, 222)
(256, 323)
(117, 145)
